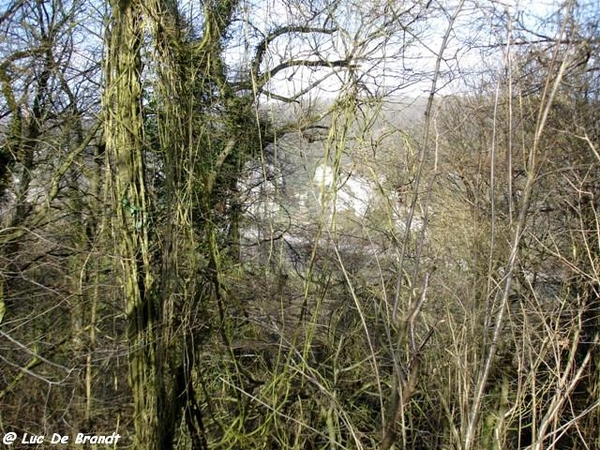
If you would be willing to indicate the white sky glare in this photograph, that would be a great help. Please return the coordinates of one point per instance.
(392, 63)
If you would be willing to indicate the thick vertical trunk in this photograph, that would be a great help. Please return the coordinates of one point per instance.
(124, 128)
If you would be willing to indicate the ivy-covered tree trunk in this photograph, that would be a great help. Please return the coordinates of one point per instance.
(124, 142)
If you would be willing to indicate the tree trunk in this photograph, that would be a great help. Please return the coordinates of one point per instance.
(124, 131)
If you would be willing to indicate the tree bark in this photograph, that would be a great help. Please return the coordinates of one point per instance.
(124, 132)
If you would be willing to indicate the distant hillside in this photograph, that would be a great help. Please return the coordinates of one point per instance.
(305, 178)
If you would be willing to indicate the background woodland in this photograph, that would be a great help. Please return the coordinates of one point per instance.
(182, 257)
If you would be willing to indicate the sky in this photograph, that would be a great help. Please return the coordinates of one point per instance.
(389, 63)
(403, 64)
